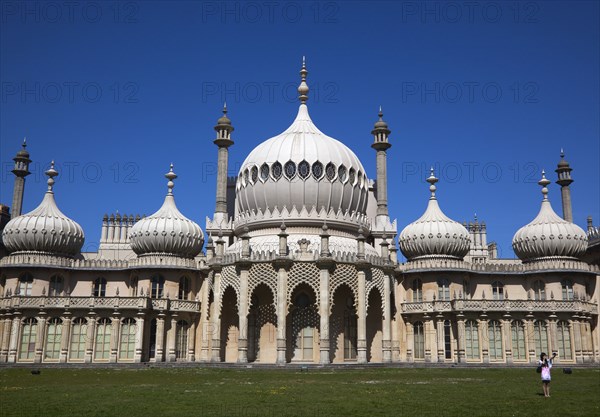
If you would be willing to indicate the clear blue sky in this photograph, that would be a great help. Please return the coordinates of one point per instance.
(488, 92)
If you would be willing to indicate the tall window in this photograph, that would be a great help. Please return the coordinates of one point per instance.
(56, 286)
(181, 339)
(443, 290)
(495, 339)
(419, 337)
(127, 343)
(563, 336)
(471, 339)
(78, 339)
(134, 286)
(447, 339)
(158, 285)
(567, 289)
(540, 335)
(53, 339)
(417, 290)
(152, 349)
(103, 331)
(99, 288)
(518, 340)
(28, 335)
(539, 290)
(184, 288)
(25, 284)
(497, 290)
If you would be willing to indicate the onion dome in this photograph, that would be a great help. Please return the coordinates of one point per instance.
(223, 121)
(549, 235)
(302, 168)
(434, 235)
(45, 229)
(167, 231)
(23, 153)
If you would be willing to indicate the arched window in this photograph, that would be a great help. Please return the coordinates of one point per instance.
(518, 340)
(443, 289)
(56, 286)
(471, 339)
(102, 345)
(184, 288)
(304, 170)
(567, 289)
(53, 339)
(563, 336)
(419, 338)
(181, 339)
(127, 342)
(28, 335)
(539, 290)
(540, 335)
(497, 290)
(264, 172)
(495, 339)
(134, 286)
(78, 339)
(289, 169)
(99, 287)
(317, 170)
(417, 290)
(276, 170)
(158, 285)
(25, 284)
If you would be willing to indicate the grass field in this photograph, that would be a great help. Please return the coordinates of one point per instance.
(229, 392)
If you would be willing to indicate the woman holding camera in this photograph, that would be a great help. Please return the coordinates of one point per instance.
(546, 365)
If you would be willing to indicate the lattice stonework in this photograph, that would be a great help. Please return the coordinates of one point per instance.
(229, 278)
(262, 273)
(375, 280)
(303, 272)
(344, 274)
(211, 280)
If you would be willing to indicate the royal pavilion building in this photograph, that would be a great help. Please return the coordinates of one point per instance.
(298, 264)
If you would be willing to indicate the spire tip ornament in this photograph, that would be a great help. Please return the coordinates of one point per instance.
(303, 87)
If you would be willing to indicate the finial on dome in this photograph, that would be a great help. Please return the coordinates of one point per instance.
(432, 180)
(170, 176)
(562, 153)
(544, 183)
(51, 173)
(24, 142)
(303, 87)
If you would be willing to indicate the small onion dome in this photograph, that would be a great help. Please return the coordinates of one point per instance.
(380, 124)
(223, 120)
(549, 235)
(563, 162)
(45, 229)
(23, 153)
(167, 231)
(434, 235)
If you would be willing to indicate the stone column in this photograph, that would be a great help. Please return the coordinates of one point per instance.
(429, 336)
(387, 320)
(552, 339)
(205, 326)
(410, 342)
(191, 356)
(485, 341)
(223, 141)
(14, 338)
(160, 337)
(441, 357)
(361, 347)
(216, 319)
(461, 340)
(40, 337)
(577, 337)
(115, 337)
(172, 340)
(324, 312)
(381, 144)
(507, 339)
(91, 333)
(64, 341)
(243, 316)
(139, 337)
(282, 308)
(6, 336)
(395, 323)
(529, 340)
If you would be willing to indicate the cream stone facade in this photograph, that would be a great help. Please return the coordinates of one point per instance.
(300, 266)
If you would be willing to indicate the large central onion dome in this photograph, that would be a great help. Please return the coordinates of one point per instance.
(434, 235)
(548, 235)
(167, 231)
(302, 168)
(45, 229)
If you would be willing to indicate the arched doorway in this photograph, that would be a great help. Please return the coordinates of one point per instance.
(343, 326)
(229, 326)
(262, 326)
(303, 326)
(374, 327)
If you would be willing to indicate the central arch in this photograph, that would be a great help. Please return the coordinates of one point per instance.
(375, 327)
(303, 326)
(262, 326)
(343, 326)
(230, 331)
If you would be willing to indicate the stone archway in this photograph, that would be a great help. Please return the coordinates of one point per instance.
(343, 326)
(375, 327)
(302, 331)
(230, 331)
(262, 326)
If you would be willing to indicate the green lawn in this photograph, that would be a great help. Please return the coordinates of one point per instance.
(202, 392)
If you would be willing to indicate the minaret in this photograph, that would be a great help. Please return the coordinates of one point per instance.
(223, 141)
(564, 180)
(381, 144)
(21, 170)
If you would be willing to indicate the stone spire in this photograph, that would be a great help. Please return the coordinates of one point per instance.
(303, 87)
(21, 170)
(381, 144)
(223, 141)
(564, 180)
